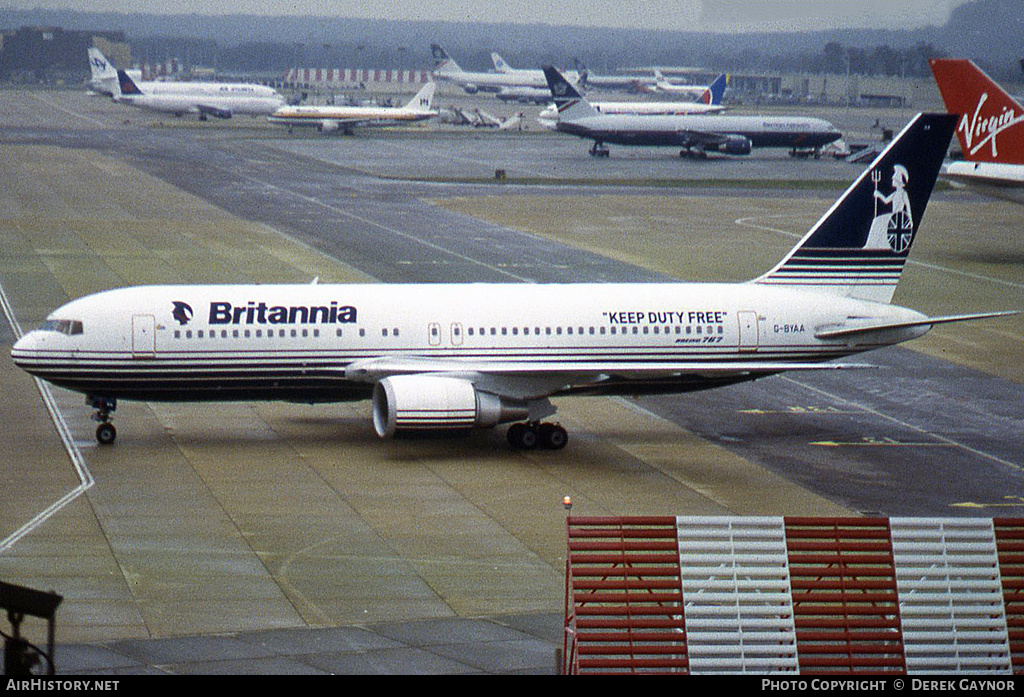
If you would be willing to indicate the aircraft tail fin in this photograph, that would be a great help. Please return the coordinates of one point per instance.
(424, 99)
(500, 64)
(127, 85)
(570, 103)
(99, 66)
(103, 77)
(991, 125)
(443, 63)
(859, 247)
(717, 90)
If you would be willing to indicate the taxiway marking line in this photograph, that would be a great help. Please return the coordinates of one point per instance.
(73, 114)
(386, 228)
(944, 440)
(85, 477)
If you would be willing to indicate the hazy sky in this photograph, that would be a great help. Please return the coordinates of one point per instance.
(718, 15)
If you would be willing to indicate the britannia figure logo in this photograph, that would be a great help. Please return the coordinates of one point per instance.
(893, 228)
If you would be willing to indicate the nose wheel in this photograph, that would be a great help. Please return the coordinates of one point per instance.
(105, 432)
(529, 436)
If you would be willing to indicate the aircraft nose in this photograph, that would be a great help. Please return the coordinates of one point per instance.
(24, 350)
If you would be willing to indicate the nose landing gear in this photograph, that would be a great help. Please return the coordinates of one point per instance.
(105, 432)
(531, 435)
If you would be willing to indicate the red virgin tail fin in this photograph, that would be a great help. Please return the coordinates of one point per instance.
(991, 123)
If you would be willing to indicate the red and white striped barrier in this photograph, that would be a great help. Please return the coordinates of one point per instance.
(355, 76)
(790, 595)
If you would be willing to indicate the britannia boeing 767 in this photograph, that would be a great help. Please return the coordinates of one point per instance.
(452, 356)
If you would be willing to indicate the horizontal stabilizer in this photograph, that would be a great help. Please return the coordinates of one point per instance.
(926, 322)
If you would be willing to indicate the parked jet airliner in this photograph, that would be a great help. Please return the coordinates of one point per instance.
(330, 118)
(586, 78)
(694, 133)
(712, 105)
(663, 85)
(219, 99)
(462, 356)
(990, 130)
(445, 68)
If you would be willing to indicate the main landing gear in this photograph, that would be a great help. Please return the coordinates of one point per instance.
(599, 149)
(531, 435)
(105, 432)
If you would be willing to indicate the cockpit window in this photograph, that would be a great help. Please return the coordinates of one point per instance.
(64, 326)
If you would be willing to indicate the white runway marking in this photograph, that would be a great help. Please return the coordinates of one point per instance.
(74, 114)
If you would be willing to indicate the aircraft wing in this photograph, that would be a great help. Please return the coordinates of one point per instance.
(215, 111)
(707, 139)
(730, 143)
(374, 369)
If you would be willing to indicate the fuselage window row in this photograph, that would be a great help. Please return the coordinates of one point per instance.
(592, 331)
(247, 333)
(471, 331)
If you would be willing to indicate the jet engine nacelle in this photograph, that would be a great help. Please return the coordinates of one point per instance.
(735, 145)
(216, 112)
(328, 126)
(422, 402)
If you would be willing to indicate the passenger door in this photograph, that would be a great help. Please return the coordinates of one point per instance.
(748, 330)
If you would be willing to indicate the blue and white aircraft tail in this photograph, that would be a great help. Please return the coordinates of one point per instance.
(716, 90)
(859, 247)
(126, 85)
(103, 76)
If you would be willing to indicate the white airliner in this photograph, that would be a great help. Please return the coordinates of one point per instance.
(695, 134)
(662, 84)
(451, 356)
(712, 105)
(528, 76)
(331, 118)
(990, 130)
(583, 77)
(219, 99)
(472, 82)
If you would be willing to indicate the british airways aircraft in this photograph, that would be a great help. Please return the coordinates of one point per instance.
(453, 356)
(712, 104)
(696, 134)
(446, 69)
